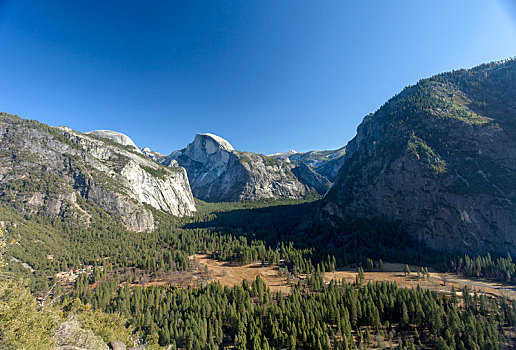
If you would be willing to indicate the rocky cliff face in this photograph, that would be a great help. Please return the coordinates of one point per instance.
(439, 158)
(219, 173)
(45, 169)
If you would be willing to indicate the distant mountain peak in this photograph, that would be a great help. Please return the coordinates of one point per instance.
(217, 172)
(286, 154)
(205, 145)
(156, 156)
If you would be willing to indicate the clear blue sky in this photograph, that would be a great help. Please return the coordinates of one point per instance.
(267, 75)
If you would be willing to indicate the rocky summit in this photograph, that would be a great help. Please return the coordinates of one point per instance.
(440, 159)
(219, 173)
(55, 170)
(117, 137)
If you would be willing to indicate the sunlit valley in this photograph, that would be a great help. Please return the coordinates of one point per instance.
(400, 237)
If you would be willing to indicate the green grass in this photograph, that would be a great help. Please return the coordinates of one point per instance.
(454, 103)
(423, 152)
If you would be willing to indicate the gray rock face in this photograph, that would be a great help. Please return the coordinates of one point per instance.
(55, 169)
(308, 176)
(439, 158)
(115, 136)
(116, 345)
(206, 146)
(71, 336)
(219, 173)
(330, 169)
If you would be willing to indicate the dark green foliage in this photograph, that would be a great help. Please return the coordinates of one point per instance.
(320, 317)
(285, 221)
(501, 269)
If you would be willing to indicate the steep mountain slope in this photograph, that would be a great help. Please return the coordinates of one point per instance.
(307, 175)
(45, 169)
(440, 159)
(219, 173)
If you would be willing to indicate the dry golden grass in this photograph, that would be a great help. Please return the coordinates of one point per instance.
(440, 282)
(230, 275)
(206, 270)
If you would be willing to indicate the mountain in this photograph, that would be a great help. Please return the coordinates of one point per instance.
(439, 159)
(325, 163)
(284, 156)
(53, 170)
(219, 173)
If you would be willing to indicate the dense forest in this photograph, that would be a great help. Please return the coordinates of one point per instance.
(314, 316)
(501, 269)
(237, 232)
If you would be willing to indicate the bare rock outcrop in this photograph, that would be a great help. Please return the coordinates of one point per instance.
(117, 345)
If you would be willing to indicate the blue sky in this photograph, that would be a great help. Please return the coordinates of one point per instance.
(267, 75)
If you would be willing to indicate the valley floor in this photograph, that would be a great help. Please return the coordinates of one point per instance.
(436, 281)
(206, 269)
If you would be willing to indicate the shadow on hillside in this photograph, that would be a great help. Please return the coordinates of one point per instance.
(352, 240)
(269, 223)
